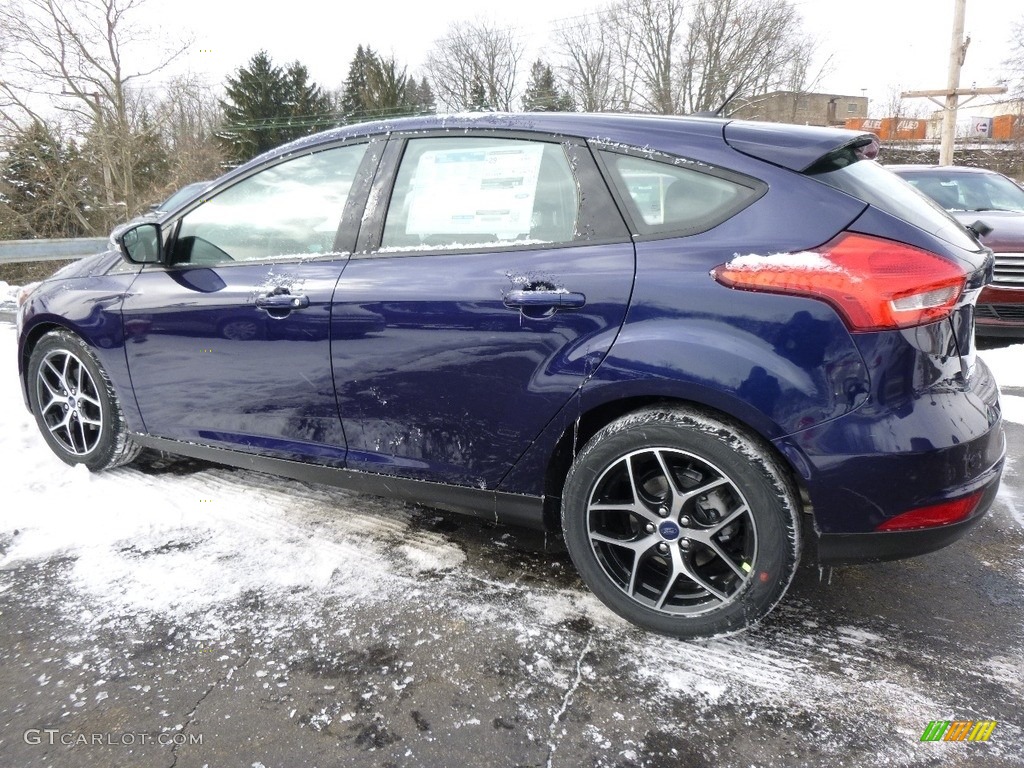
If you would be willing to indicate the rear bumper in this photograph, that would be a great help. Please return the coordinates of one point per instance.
(888, 458)
(876, 546)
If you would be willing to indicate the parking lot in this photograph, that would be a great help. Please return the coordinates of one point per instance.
(179, 614)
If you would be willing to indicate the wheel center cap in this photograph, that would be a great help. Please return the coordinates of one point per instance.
(71, 402)
(669, 530)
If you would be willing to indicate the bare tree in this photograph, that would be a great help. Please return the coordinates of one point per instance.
(187, 117)
(647, 38)
(674, 56)
(474, 60)
(626, 79)
(744, 47)
(894, 105)
(586, 68)
(75, 55)
(1015, 62)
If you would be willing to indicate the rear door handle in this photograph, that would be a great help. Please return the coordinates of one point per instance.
(544, 300)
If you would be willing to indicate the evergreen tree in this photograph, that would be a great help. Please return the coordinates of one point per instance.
(477, 101)
(425, 102)
(377, 87)
(267, 106)
(542, 92)
(44, 188)
(310, 106)
(387, 90)
(354, 96)
(148, 158)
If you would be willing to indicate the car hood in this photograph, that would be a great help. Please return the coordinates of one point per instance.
(1007, 235)
(97, 264)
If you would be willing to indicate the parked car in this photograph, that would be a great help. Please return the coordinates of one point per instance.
(686, 344)
(972, 195)
(180, 197)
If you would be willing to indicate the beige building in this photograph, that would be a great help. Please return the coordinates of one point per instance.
(801, 108)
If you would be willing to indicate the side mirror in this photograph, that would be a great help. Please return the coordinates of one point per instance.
(980, 229)
(142, 244)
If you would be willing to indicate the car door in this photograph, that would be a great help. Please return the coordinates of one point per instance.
(228, 343)
(501, 272)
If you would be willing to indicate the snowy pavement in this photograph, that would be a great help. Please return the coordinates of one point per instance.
(285, 624)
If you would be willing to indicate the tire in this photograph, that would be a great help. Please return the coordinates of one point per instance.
(682, 523)
(75, 406)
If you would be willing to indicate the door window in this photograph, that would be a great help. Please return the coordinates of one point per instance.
(292, 209)
(477, 193)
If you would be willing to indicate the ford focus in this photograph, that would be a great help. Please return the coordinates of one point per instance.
(698, 349)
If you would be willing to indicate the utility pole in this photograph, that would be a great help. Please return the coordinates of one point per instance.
(953, 92)
(957, 55)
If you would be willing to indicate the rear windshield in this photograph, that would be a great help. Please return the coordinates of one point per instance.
(868, 181)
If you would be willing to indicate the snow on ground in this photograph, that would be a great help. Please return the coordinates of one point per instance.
(1007, 364)
(1013, 408)
(8, 297)
(178, 547)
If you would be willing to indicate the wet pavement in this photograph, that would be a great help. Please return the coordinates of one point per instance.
(176, 614)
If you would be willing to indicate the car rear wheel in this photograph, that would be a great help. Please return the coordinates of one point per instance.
(682, 523)
(75, 405)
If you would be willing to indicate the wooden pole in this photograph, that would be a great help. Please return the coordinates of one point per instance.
(957, 54)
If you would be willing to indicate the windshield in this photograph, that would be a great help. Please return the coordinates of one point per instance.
(868, 181)
(968, 191)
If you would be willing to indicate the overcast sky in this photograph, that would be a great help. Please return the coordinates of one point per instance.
(877, 45)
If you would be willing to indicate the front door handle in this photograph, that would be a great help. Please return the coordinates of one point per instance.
(282, 301)
(544, 300)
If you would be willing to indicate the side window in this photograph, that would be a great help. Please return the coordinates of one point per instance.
(668, 198)
(470, 192)
(290, 209)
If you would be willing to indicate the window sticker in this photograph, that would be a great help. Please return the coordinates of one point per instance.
(478, 191)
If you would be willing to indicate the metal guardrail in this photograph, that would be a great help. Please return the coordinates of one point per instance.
(17, 251)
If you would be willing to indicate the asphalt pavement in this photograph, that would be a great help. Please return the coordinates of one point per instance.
(471, 644)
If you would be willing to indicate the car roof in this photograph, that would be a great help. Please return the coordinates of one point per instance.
(792, 146)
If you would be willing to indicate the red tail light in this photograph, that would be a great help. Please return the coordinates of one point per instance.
(875, 284)
(929, 517)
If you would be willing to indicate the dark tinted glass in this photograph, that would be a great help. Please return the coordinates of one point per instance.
(668, 198)
(868, 181)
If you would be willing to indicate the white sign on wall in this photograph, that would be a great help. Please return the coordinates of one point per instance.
(981, 127)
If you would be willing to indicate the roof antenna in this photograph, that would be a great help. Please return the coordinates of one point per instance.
(718, 112)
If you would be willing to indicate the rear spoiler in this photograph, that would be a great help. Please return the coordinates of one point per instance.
(800, 148)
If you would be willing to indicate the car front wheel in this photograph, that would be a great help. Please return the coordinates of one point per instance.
(75, 405)
(681, 522)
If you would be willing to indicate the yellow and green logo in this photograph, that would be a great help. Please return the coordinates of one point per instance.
(958, 730)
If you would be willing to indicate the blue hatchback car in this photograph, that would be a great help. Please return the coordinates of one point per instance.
(690, 345)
